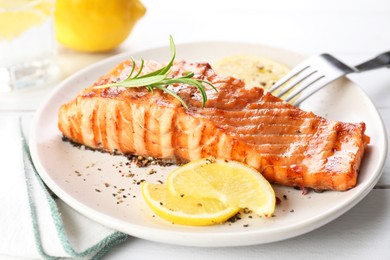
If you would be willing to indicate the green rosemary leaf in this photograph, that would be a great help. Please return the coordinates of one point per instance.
(188, 74)
(136, 82)
(158, 79)
(187, 81)
(172, 93)
(132, 68)
(201, 89)
(173, 51)
(210, 84)
(166, 68)
(140, 68)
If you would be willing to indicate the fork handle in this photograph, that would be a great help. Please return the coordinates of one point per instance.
(380, 61)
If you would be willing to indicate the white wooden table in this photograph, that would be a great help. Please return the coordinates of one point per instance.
(351, 30)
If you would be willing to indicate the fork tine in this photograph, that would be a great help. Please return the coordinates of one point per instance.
(305, 84)
(309, 77)
(301, 77)
(313, 88)
(295, 71)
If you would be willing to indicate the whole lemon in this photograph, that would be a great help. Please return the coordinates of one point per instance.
(95, 25)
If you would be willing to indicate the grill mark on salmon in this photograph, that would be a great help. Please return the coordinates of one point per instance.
(166, 122)
(287, 145)
(252, 120)
(126, 135)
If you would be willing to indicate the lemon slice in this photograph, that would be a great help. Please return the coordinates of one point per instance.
(183, 209)
(22, 15)
(255, 71)
(235, 184)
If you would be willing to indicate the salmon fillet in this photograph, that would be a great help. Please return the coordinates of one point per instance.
(287, 145)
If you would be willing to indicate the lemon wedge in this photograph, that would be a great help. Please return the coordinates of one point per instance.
(185, 210)
(234, 184)
(255, 71)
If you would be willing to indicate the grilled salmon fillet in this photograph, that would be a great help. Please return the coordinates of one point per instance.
(287, 145)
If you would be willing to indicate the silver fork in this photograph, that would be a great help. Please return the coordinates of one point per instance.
(318, 71)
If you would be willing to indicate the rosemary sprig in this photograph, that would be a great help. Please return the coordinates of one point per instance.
(158, 79)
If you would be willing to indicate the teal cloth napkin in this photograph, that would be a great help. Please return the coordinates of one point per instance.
(33, 222)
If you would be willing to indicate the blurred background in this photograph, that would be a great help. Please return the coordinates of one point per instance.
(353, 31)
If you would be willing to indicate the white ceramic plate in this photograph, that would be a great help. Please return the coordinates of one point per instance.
(88, 180)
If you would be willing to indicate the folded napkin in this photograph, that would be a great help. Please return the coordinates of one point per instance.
(33, 223)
